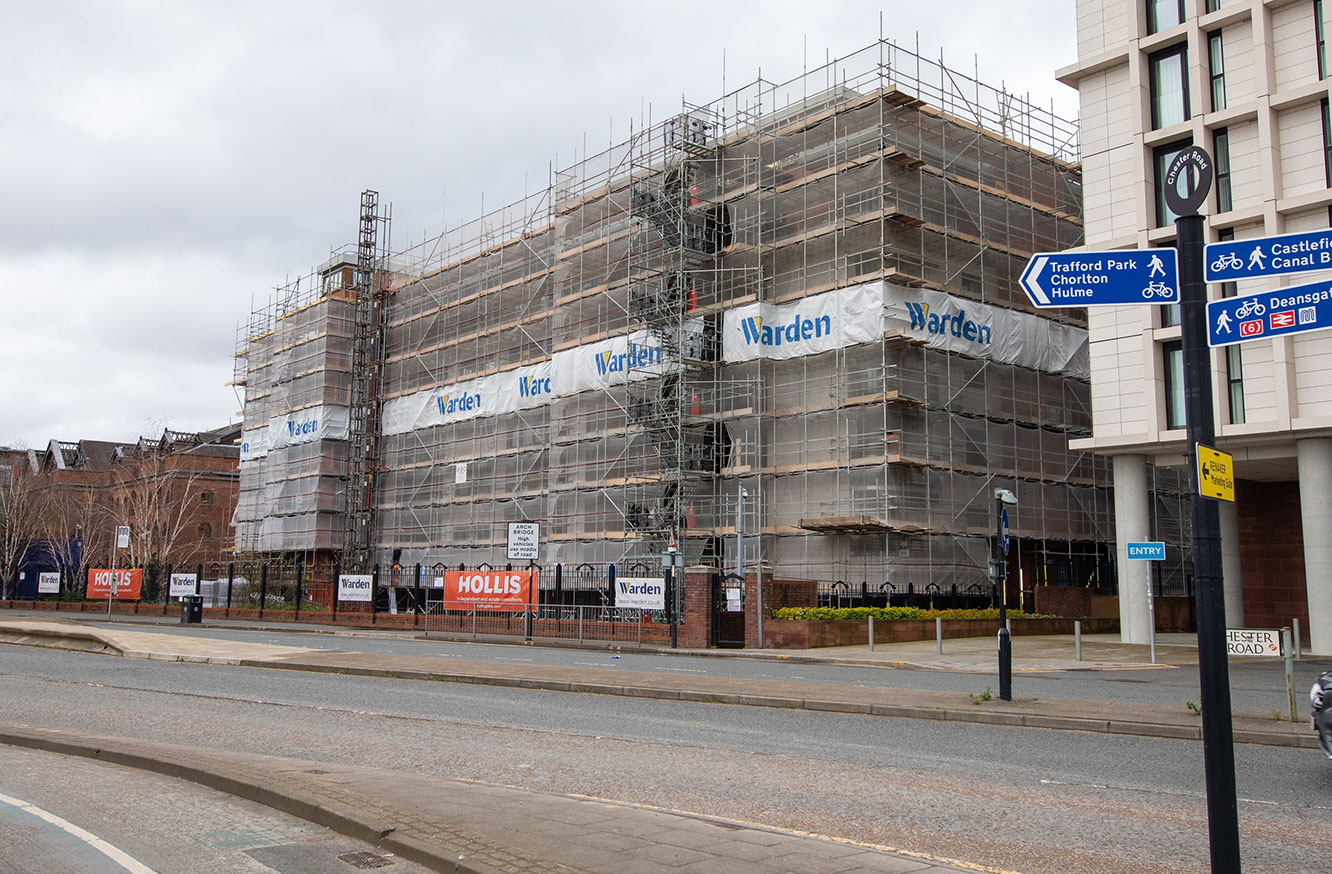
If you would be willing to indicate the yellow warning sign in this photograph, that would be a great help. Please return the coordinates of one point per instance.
(1216, 474)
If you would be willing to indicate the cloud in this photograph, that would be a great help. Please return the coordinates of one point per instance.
(168, 164)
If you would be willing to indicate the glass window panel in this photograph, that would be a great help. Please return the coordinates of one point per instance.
(1172, 360)
(1164, 13)
(1170, 104)
(1216, 61)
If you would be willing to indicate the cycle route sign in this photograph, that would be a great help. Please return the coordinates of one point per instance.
(1268, 256)
(1116, 278)
(1267, 314)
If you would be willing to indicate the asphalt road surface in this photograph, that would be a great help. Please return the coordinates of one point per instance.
(62, 815)
(1255, 685)
(1016, 799)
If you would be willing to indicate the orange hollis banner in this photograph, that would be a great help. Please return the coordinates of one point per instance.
(491, 590)
(127, 583)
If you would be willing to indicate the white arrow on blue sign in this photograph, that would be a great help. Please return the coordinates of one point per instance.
(1003, 529)
(1083, 279)
(1151, 551)
(1291, 310)
(1268, 256)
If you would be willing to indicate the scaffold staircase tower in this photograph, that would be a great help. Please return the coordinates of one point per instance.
(673, 271)
(363, 426)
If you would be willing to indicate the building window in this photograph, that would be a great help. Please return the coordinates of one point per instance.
(1164, 13)
(1235, 383)
(1170, 93)
(1161, 158)
(1320, 39)
(1213, 5)
(205, 531)
(1228, 289)
(1327, 145)
(1172, 361)
(206, 498)
(1221, 160)
(1216, 63)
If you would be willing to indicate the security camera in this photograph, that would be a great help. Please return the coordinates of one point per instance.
(1006, 496)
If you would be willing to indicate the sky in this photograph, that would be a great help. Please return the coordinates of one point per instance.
(165, 165)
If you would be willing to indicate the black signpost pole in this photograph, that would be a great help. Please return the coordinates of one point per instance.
(1192, 168)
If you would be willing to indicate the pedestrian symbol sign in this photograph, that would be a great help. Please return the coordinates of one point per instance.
(1216, 474)
(1080, 279)
(1291, 310)
(1268, 256)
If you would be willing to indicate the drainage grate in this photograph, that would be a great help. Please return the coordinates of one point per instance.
(314, 771)
(365, 860)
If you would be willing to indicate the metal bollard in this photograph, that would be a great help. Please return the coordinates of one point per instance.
(1287, 656)
(1077, 639)
(938, 635)
(871, 633)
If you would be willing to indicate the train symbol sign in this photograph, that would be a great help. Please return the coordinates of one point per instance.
(1291, 310)
(1081, 279)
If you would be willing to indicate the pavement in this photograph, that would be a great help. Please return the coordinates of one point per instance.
(454, 825)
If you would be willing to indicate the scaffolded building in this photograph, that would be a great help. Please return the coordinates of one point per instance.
(792, 312)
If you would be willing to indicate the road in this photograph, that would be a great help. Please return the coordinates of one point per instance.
(1016, 799)
(74, 816)
(1257, 685)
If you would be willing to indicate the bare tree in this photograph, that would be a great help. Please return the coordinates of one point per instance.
(155, 501)
(76, 530)
(17, 522)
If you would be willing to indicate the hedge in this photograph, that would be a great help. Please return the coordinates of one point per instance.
(837, 614)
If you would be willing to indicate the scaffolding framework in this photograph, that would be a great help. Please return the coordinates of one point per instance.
(874, 459)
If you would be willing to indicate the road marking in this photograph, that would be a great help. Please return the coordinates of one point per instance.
(112, 852)
(1172, 792)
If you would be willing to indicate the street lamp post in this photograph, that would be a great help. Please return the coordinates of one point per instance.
(999, 574)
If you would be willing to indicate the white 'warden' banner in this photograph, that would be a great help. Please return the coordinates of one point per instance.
(832, 320)
(811, 325)
(302, 426)
(597, 365)
(982, 331)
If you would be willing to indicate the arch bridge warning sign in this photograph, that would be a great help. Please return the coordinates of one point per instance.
(1216, 474)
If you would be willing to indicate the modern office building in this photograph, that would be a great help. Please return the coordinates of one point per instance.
(791, 313)
(1246, 80)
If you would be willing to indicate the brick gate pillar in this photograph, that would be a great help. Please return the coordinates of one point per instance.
(696, 632)
(752, 607)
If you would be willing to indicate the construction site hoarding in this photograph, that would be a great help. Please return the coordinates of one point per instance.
(123, 585)
(508, 591)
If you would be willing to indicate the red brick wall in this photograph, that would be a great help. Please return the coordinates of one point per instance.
(1272, 554)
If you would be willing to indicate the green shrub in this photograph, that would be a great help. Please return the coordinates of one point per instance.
(841, 614)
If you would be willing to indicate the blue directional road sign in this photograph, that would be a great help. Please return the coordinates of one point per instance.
(1083, 279)
(1003, 527)
(1292, 310)
(1268, 256)
(1151, 551)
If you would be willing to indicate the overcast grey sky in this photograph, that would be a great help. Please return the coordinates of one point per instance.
(164, 165)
